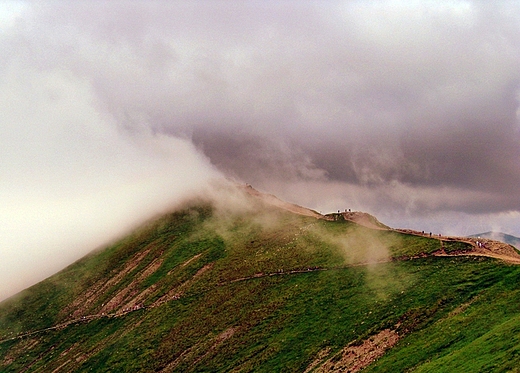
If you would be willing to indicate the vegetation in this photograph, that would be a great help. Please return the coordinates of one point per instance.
(264, 290)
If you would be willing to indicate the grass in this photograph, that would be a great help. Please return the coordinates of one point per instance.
(456, 246)
(456, 341)
(454, 314)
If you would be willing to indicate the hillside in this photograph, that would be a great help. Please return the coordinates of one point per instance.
(245, 284)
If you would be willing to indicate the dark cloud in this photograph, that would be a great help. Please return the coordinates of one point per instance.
(408, 110)
(368, 92)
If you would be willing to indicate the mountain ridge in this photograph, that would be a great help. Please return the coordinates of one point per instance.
(499, 236)
(259, 285)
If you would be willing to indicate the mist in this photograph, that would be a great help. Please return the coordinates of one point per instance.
(75, 181)
(113, 112)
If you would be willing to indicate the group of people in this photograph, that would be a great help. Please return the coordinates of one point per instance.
(431, 234)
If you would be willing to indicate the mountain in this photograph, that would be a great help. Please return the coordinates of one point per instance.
(244, 282)
(499, 236)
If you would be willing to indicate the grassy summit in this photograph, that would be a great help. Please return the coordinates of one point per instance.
(258, 288)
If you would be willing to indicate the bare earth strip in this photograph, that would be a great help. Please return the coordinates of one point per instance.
(354, 358)
(82, 303)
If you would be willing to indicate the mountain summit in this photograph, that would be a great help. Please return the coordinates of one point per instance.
(245, 282)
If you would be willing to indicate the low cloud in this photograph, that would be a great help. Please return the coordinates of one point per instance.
(73, 178)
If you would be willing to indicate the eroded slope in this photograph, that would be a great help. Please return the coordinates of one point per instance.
(259, 288)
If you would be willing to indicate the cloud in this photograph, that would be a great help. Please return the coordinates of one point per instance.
(408, 110)
(73, 177)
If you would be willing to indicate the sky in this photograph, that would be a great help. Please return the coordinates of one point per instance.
(113, 111)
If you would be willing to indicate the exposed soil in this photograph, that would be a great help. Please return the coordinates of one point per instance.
(177, 292)
(322, 355)
(190, 260)
(21, 349)
(226, 334)
(192, 351)
(84, 302)
(355, 357)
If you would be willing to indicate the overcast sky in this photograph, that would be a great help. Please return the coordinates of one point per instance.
(113, 110)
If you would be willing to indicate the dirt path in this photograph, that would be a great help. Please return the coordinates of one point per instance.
(480, 246)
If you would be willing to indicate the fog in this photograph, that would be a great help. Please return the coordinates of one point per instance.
(115, 111)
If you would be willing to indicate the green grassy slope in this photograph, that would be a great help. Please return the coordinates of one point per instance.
(263, 290)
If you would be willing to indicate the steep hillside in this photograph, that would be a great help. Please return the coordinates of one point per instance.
(251, 286)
